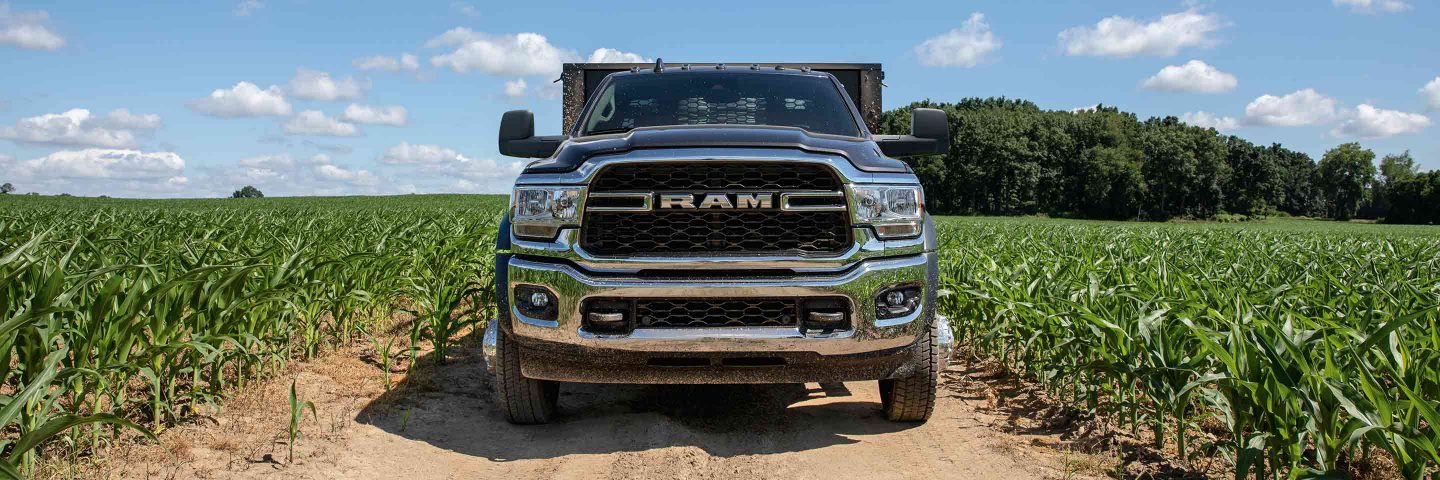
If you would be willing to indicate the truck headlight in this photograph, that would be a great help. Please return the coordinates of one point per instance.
(540, 212)
(895, 211)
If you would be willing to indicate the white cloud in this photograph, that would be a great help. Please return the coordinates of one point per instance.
(1126, 37)
(1210, 120)
(515, 88)
(1431, 91)
(610, 55)
(407, 62)
(99, 163)
(1194, 76)
(469, 174)
(269, 162)
(247, 7)
(1304, 107)
(394, 115)
(340, 174)
(314, 122)
(121, 118)
(243, 100)
(509, 55)
(421, 154)
(966, 46)
(1368, 122)
(317, 85)
(27, 30)
(1372, 6)
(78, 127)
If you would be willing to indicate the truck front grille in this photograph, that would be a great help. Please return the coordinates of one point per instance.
(692, 232)
(771, 231)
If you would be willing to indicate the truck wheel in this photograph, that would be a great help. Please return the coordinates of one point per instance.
(525, 401)
(912, 398)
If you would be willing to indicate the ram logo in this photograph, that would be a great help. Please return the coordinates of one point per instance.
(724, 201)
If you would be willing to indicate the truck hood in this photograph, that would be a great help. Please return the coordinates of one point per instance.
(861, 152)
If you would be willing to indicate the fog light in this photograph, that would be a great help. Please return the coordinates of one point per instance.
(897, 302)
(535, 302)
(895, 297)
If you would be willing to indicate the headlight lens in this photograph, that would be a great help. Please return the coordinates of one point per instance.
(895, 211)
(540, 212)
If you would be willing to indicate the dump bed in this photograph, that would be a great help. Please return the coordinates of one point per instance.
(861, 81)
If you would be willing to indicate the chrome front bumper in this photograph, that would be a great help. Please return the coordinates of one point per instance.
(564, 339)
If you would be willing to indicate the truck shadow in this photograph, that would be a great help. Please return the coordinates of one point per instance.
(452, 407)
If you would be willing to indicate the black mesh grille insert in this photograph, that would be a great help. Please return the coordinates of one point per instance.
(716, 312)
(654, 177)
(715, 231)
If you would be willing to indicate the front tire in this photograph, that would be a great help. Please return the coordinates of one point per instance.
(525, 401)
(912, 398)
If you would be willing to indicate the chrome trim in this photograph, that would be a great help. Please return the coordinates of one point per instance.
(842, 166)
(647, 198)
(786, 196)
(867, 246)
(859, 285)
(490, 345)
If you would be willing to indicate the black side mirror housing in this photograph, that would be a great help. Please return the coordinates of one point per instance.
(929, 135)
(517, 136)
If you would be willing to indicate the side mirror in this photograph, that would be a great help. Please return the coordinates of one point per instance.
(517, 136)
(929, 135)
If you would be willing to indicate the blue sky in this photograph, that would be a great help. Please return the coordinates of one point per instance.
(308, 97)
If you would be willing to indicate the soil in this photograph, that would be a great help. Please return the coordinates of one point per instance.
(441, 422)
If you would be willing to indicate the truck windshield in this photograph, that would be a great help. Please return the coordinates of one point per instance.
(809, 102)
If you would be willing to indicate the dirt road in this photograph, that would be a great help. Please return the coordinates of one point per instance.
(444, 424)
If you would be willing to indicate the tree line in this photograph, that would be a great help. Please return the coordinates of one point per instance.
(1010, 157)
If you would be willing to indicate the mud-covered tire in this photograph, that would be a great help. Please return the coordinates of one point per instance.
(525, 401)
(912, 398)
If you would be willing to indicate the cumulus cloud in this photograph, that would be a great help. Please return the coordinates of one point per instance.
(1210, 120)
(1127, 37)
(100, 163)
(314, 122)
(27, 30)
(247, 7)
(1431, 92)
(245, 99)
(407, 62)
(317, 85)
(466, 9)
(422, 154)
(1304, 107)
(1368, 122)
(1194, 77)
(469, 174)
(966, 46)
(515, 88)
(610, 55)
(1373, 6)
(269, 162)
(339, 174)
(79, 127)
(393, 115)
(508, 55)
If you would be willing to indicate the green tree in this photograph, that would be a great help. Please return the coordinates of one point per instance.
(247, 192)
(1346, 172)
(1394, 169)
(6, 188)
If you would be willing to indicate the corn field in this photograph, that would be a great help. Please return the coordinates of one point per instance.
(131, 313)
(1313, 348)
(1292, 350)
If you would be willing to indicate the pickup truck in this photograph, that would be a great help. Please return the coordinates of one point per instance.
(714, 223)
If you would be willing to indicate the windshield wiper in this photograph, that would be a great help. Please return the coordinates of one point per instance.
(609, 130)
